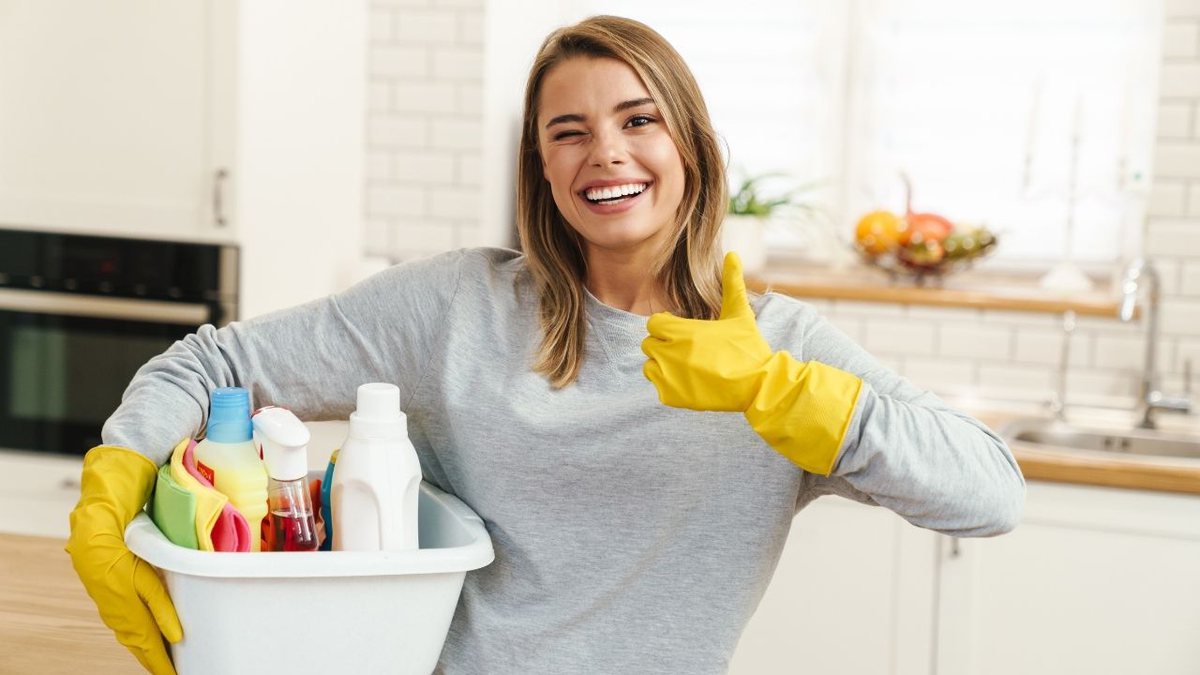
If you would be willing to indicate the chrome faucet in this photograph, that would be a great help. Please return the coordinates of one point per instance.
(1141, 271)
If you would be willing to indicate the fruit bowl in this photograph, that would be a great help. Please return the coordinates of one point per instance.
(922, 247)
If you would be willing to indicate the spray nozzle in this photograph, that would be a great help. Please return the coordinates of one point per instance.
(283, 440)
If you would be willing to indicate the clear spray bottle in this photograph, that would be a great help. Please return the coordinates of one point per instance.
(283, 440)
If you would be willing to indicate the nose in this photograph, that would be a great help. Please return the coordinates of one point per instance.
(608, 148)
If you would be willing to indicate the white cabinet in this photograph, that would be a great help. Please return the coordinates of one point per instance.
(104, 121)
(853, 594)
(38, 494)
(213, 120)
(1094, 580)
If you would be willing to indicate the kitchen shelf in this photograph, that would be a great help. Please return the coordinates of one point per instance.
(975, 291)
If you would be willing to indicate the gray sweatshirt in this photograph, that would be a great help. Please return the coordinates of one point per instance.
(629, 536)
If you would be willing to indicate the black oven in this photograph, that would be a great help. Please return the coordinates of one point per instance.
(80, 314)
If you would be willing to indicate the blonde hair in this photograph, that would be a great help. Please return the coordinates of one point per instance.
(689, 267)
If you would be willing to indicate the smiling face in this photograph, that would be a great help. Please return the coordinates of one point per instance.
(615, 173)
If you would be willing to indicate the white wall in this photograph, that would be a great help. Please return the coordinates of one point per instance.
(429, 138)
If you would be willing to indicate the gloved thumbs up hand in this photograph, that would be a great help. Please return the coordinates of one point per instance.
(801, 409)
(708, 365)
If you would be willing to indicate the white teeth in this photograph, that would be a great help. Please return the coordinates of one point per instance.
(601, 194)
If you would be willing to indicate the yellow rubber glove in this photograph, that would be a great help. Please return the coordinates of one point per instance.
(802, 410)
(131, 598)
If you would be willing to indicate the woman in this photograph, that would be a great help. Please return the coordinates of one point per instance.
(638, 477)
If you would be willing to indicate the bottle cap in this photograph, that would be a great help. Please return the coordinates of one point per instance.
(377, 412)
(283, 441)
(229, 416)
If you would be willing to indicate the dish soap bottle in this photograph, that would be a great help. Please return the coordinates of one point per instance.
(377, 477)
(228, 459)
(283, 440)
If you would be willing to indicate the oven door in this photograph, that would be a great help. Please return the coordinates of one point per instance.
(66, 359)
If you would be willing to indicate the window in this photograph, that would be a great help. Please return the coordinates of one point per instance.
(1034, 117)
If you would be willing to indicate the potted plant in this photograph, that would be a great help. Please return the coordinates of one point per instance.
(751, 211)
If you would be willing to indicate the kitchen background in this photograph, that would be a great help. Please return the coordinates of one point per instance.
(428, 136)
(241, 125)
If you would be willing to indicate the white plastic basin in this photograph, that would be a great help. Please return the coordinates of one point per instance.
(324, 612)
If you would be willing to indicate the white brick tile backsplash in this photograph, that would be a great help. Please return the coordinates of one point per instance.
(940, 314)
(1193, 205)
(1086, 385)
(1173, 237)
(985, 342)
(379, 97)
(1186, 348)
(470, 99)
(1180, 317)
(379, 166)
(1175, 119)
(1011, 380)
(396, 131)
(1180, 39)
(395, 201)
(939, 373)
(1037, 345)
(1188, 9)
(419, 239)
(1189, 278)
(470, 170)
(1180, 80)
(470, 28)
(458, 63)
(1177, 160)
(392, 61)
(424, 97)
(1167, 199)
(456, 134)
(899, 336)
(1119, 351)
(454, 202)
(426, 26)
(379, 24)
(400, 3)
(426, 167)
(866, 309)
(1006, 317)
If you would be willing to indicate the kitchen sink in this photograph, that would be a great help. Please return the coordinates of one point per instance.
(1052, 434)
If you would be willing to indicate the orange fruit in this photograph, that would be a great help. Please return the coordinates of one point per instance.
(879, 232)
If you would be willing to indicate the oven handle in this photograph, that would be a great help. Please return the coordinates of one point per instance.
(128, 309)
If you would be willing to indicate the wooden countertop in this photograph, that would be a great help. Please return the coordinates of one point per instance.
(971, 290)
(48, 624)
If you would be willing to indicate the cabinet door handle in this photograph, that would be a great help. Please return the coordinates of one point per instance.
(218, 197)
(955, 551)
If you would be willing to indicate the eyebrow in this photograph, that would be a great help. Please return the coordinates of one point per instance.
(576, 117)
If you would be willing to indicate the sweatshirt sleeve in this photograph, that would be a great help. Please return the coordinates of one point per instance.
(310, 358)
(908, 451)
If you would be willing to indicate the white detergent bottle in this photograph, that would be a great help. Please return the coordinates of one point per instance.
(377, 477)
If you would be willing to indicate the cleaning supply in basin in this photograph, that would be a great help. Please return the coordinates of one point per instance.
(219, 526)
(283, 439)
(377, 477)
(173, 510)
(327, 501)
(228, 459)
